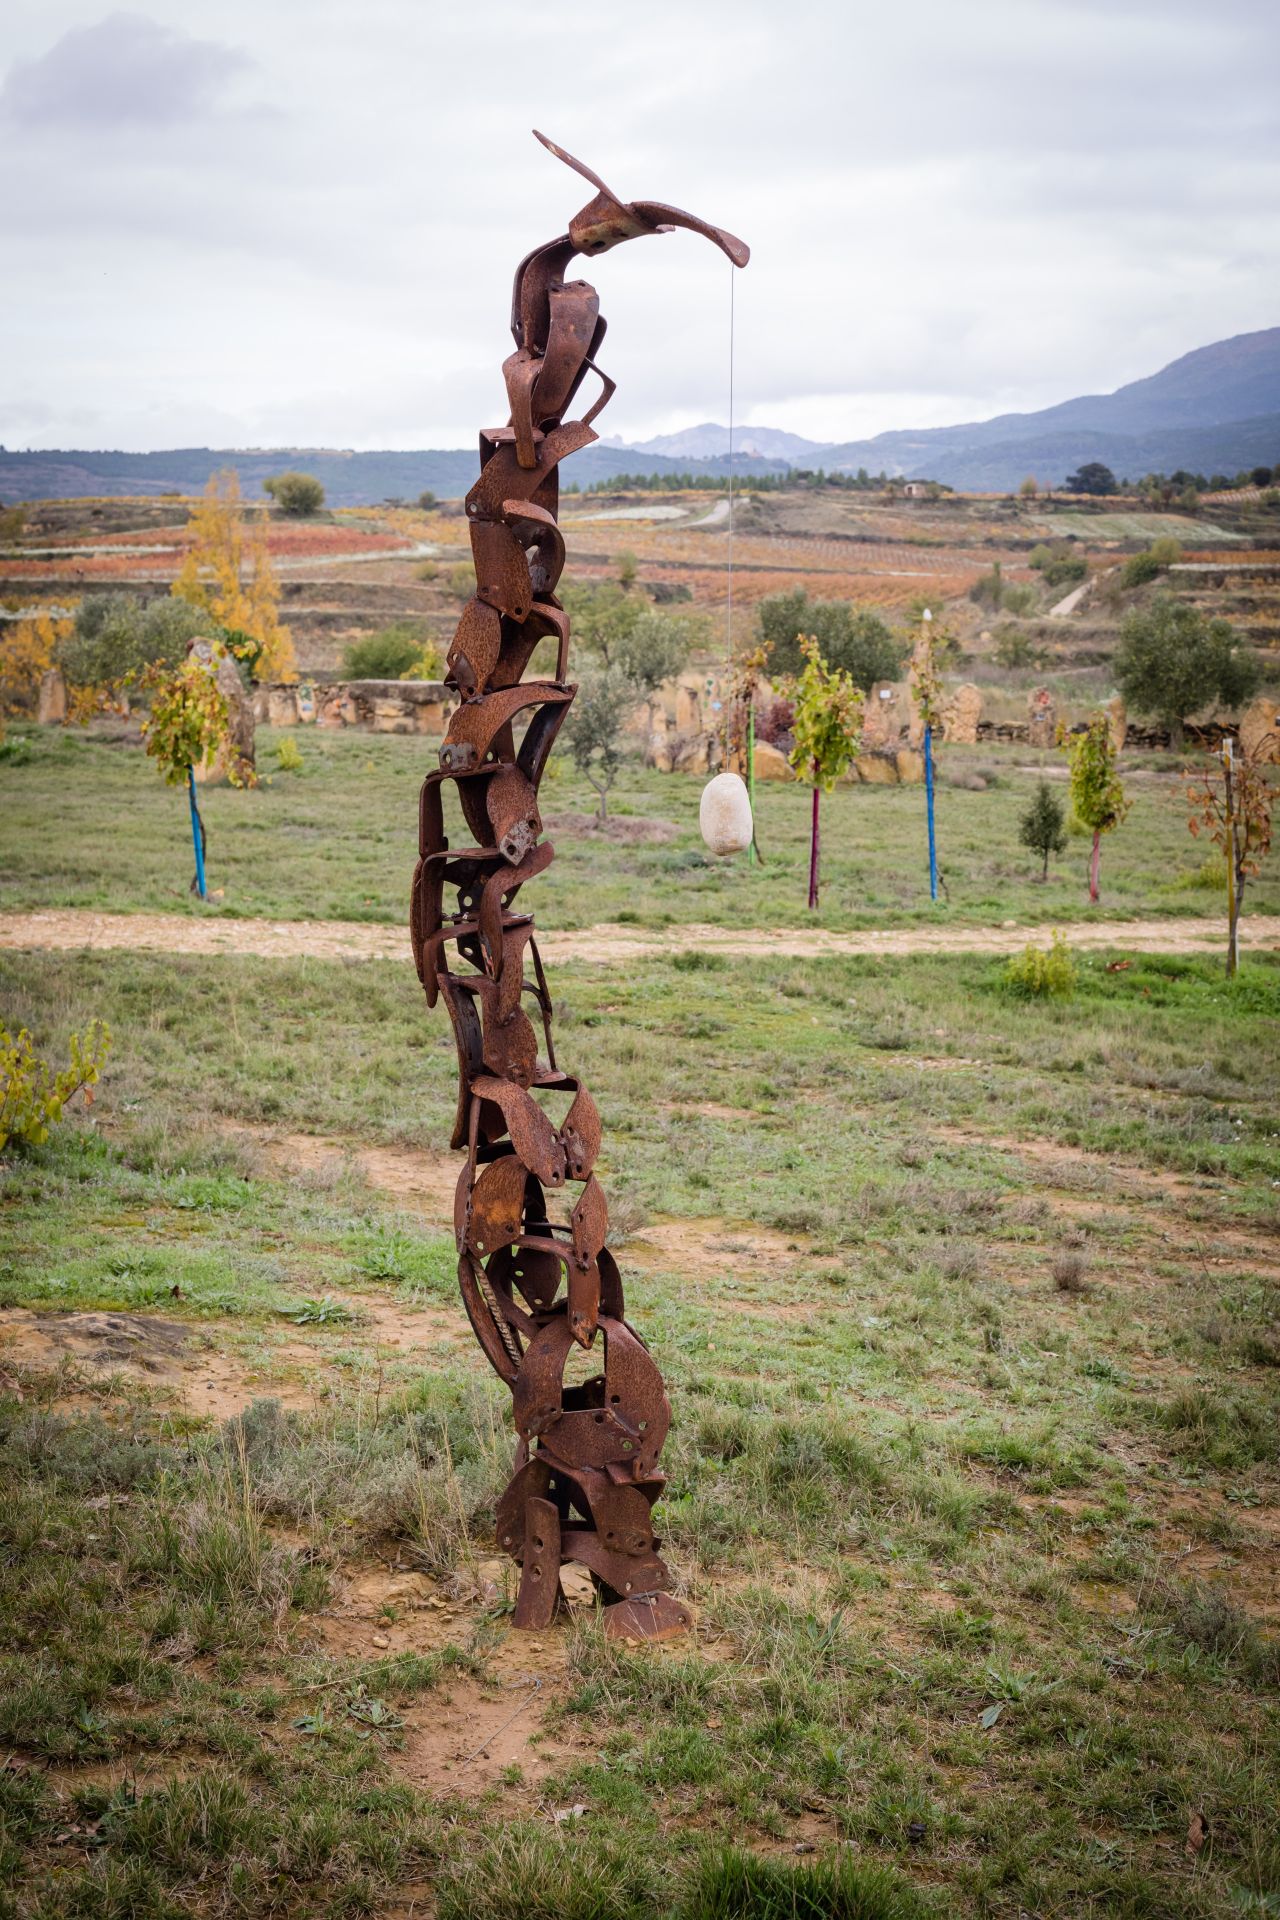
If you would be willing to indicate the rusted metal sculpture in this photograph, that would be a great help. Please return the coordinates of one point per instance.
(586, 1470)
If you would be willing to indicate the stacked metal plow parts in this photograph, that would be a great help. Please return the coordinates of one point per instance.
(535, 1286)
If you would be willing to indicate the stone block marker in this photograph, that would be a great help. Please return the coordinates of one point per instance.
(1259, 729)
(52, 708)
(1042, 718)
(962, 716)
(236, 752)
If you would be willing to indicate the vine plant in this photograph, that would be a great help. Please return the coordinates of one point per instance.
(827, 733)
(1097, 794)
(188, 722)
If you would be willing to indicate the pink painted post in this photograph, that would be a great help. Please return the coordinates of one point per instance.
(813, 849)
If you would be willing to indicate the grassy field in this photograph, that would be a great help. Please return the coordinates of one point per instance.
(89, 824)
(968, 1311)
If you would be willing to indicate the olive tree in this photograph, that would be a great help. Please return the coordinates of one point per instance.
(593, 728)
(297, 494)
(117, 636)
(851, 639)
(1172, 662)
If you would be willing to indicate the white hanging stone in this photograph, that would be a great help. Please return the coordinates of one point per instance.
(725, 814)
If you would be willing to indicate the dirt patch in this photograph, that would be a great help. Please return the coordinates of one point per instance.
(460, 1737)
(713, 1249)
(1071, 1162)
(67, 929)
(142, 1347)
(421, 1179)
(424, 1182)
(709, 1110)
(472, 1731)
(396, 1323)
(625, 830)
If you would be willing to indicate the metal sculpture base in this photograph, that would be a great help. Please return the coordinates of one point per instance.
(586, 1471)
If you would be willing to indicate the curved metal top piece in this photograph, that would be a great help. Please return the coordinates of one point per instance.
(606, 221)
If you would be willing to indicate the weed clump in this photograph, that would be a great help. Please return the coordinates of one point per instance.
(735, 1885)
(1069, 1269)
(1038, 973)
(1225, 1430)
(1205, 1618)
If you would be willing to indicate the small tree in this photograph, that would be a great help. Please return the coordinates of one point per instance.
(297, 494)
(851, 638)
(1092, 477)
(618, 628)
(1059, 565)
(1171, 662)
(1141, 568)
(1097, 796)
(401, 651)
(628, 571)
(426, 500)
(33, 1094)
(1029, 488)
(593, 729)
(1233, 807)
(28, 648)
(212, 578)
(655, 649)
(188, 722)
(1043, 826)
(115, 637)
(603, 617)
(827, 731)
(926, 692)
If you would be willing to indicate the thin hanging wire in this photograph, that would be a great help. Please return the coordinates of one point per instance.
(729, 629)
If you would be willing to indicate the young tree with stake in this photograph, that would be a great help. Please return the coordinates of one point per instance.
(827, 732)
(188, 722)
(1234, 810)
(1097, 796)
(926, 692)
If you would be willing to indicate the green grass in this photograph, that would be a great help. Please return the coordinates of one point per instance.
(89, 824)
(904, 1461)
(971, 1331)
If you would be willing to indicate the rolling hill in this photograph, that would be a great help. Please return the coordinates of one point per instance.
(1214, 410)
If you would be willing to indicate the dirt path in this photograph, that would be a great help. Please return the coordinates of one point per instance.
(72, 929)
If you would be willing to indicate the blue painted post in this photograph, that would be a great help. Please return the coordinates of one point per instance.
(196, 834)
(928, 794)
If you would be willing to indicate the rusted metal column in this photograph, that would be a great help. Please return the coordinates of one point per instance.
(586, 1471)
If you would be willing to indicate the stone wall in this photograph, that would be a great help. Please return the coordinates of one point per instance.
(378, 706)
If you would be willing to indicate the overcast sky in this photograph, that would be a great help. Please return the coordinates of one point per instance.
(275, 222)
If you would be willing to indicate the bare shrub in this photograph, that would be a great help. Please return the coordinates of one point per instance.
(1069, 1269)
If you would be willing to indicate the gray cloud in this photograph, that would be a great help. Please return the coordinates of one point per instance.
(125, 71)
(952, 210)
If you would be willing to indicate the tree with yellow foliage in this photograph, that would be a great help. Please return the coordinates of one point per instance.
(26, 653)
(213, 578)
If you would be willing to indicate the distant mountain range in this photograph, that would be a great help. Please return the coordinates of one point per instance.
(1216, 410)
(710, 442)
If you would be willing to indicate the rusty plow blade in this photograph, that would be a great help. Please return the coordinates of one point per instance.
(531, 1218)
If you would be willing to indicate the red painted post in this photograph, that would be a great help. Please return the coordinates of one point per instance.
(813, 850)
